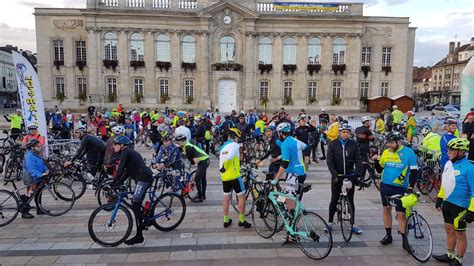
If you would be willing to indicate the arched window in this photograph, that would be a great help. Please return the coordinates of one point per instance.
(314, 51)
(136, 47)
(189, 49)
(265, 51)
(338, 51)
(289, 51)
(110, 46)
(227, 49)
(163, 53)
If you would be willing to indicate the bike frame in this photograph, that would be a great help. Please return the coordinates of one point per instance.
(298, 209)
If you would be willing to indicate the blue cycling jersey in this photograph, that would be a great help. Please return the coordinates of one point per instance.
(292, 151)
(457, 185)
(397, 165)
(444, 148)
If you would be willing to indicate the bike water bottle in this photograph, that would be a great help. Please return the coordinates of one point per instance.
(89, 176)
(255, 192)
(146, 208)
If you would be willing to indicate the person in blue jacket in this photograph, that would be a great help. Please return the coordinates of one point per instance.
(34, 171)
(451, 126)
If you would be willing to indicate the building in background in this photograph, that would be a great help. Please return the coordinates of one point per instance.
(222, 54)
(422, 85)
(447, 73)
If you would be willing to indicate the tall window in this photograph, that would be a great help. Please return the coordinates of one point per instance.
(82, 86)
(112, 86)
(364, 89)
(338, 51)
(366, 55)
(386, 56)
(136, 47)
(163, 53)
(265, 50)
(336, 89)
(164, 87)
(314, 51)
(227, 49)
(189, 49)
(312, 89)
(59, 82)
(289, 51)
(384, 89)
(81, 51)
(287, 89)
(263, 89)
(110, 46)
(58, 50)
(189, 88)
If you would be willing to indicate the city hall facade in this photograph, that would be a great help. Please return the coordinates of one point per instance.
(230, 55)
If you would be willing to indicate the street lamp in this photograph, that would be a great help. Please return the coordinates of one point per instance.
(426, 86)
(416, 98)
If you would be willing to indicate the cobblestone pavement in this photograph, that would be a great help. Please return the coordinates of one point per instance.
(201, 239)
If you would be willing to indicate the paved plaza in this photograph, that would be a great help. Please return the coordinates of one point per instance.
(202, 240)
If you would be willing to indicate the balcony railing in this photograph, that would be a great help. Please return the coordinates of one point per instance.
(146, 4)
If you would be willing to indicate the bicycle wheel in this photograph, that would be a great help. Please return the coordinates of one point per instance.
(191, 188)
(9, 168)
(248, 202)
(376, 179)
(313, 235)
(105, 197)
(56, 198)
(346, 219)
(8, 207)
(76, 182)
(264, 217)
(424, 184)
(168, 211)
(419, 237)
(110, 229)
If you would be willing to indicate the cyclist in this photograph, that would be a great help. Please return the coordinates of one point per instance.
(451, 126)
(273, 151)
(410, 126)
(196, 156)
(364, 137)
(132, 165)
(380, 124)
(243, 127)
(431, 140)
(91, 145)
(322, 130)
(302, 134)
(111, 158)
(182, 129)
(130, 131)
(333, 130)
(397, 116)
(229, 163)
(33, 134)
(456, 200)
(168, 156)
(399, 165)
(344, 160)
(15, 123)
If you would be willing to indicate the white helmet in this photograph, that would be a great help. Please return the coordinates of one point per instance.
(118, 130)
(395, 107)
(365, 119)
(80, 128)
(425, 130)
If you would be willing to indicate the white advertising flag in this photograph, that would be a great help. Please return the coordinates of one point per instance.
(31, 96)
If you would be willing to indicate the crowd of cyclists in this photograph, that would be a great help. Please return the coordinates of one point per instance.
(290, 144)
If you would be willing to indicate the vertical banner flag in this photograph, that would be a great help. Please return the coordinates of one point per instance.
(31, 96)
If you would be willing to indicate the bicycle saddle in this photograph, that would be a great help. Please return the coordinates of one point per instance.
(306, 188)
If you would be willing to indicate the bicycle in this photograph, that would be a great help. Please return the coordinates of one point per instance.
(178, 181)
(111, 224)
(253, 189)
(417, 229)
(310, 230)
(345, 212)
(14, 163)
(54, 199)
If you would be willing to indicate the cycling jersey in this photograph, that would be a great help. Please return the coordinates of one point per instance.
(397, 116)
(432, 142)
(333, 131)
(229, 159)
(292, 151)
(191, 151)
(457, 185)
(397, 166)
(444, 148)
(169, 156)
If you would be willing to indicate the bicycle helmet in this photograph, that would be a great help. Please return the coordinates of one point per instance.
(83, 116)
(32, 143)
(365, 119)
(284, 127)
(163, 130)
(234, 132)
(394, 136)
(122, 140)
(118, 130)
(450, 121)
(181, 137)
(425, 130)
(80, 128)
(345, 126)
(459, 144)
(32, 126)
(410, 113)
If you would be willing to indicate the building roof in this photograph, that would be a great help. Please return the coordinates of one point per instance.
(444, 61)
(9, 48)
(421, 74)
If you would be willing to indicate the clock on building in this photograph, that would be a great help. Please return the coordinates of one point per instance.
(227, 20)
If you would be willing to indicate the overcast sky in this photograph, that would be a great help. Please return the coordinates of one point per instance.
(438, 22)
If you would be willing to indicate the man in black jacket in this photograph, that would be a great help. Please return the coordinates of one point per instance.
(273, 151)
(342, 157)
(302, 134)
(468, 132)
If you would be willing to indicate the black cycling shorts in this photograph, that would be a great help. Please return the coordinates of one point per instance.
(237, 185)
(452, 214)
(140, 191)
(388, 191)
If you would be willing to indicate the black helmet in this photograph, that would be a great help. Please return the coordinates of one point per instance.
(181, 137)
(394, 136)
(31, 143)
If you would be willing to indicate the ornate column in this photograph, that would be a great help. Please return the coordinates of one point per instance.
(150, 94)
(203, 70)
(176, 84)
(124, 84)
(325, 86)
(302, 59)
(251, 91)
(94, 64)
(276, 93)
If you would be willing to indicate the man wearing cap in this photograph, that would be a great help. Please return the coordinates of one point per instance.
(411, 126)
(323, 116)
(397, 116)
(15, 123)
(388, 120)
(450, 126)
(364, 137)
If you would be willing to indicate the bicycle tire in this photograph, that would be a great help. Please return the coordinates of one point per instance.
(101, 194)
(314, 235)
(191, 185)
(55, 193)
(421, 255)
(165, 204)
(76, 182)
(424, 185)
(264, 210)
(7, 198)
(94, 234)
(346, 219)
(8, 169)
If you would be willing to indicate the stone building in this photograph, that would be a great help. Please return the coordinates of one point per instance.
(8, 83)
(225, 54)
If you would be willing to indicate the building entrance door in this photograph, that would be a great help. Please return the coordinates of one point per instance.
(226, 95)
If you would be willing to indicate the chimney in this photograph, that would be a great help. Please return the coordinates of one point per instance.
(451, 47)
(459, 45)
(472, 42)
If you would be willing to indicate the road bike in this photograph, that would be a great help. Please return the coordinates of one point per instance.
(345, 212)
(253, 188)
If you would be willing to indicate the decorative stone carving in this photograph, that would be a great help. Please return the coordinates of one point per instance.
(67, 23)
(378, 31)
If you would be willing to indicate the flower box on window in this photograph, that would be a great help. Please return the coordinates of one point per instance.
(60, 97)
(336, 101)
(188, 66)
(82, 96)
(339, 68)
(313, 68)
(189, 100)
(81, 64)
(227, 67)
(387, 69)
(312, 100)
(287, 101)
(163, 65)
(265, 67)
(137, 64)
(364, 100)
(164, 98)
(112, 97)
(138, 98)
(58, 63)
(288, 68)
(366, 70)
(111, 64)
(264, 101)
